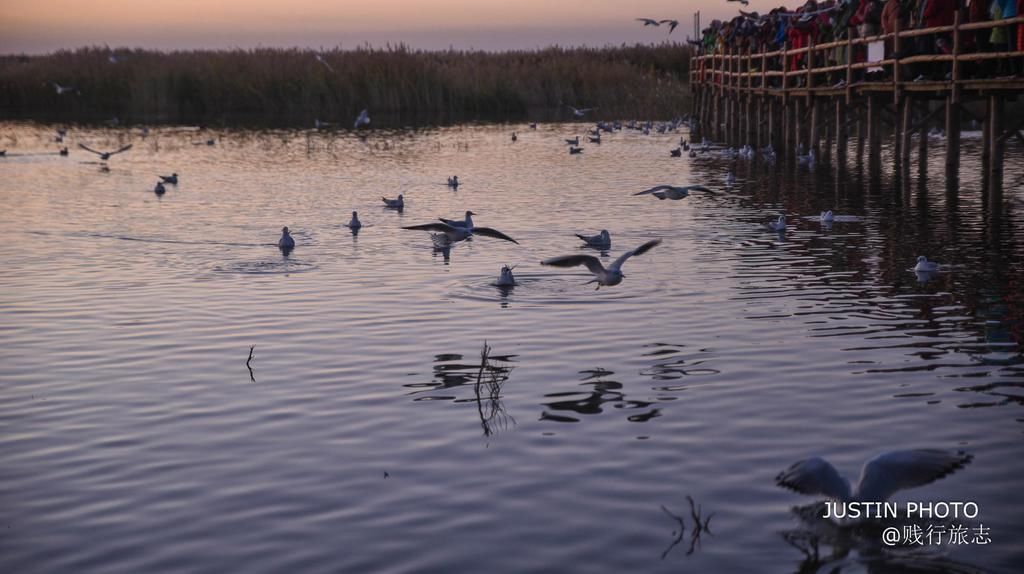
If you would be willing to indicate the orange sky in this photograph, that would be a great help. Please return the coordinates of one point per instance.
(45, 25)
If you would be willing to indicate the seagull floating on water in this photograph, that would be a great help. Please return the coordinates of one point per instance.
(573, 141)
(880, 478)
(827, 217)
(777, 225)
(64, 151)
(453, 182)
(172, 179)
(603, 277)
(672, 191)
(398, 204)
(362, 120)
(678, 152)
(354, 223)
(575, 150)
(505, 278)
(602, 240)
(454, 234)
(514, 137)
(159, 189)
(286, 243)
(105, 155)
(730, 179)
(924, 265)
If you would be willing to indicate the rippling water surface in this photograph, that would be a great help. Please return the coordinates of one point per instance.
(135, 437)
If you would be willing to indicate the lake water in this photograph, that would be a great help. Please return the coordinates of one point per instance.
(135, 438)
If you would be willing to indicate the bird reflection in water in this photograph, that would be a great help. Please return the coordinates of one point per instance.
(857, 547)
(602, 392)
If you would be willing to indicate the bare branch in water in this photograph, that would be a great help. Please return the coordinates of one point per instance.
(251, 376)
(679, 537)
(700, 526)
(495, 378)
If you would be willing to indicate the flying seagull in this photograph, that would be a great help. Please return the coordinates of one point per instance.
(673, 191)
(880, 477)
(61, 90)
(362, 120)
(467, 222)
(105, 155)
(744, 2)
(579, 112)
(648, 21)
(453, 234)
(320, 58)
(612, 275)
(671, 24)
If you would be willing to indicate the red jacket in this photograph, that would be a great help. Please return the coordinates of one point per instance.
(939, 13)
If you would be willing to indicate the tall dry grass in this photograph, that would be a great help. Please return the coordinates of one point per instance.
(397, 84)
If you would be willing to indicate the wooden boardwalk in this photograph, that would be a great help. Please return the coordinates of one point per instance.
(763, 99)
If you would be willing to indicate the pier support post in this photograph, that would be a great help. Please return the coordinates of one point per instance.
(906, 127)
(874, 131)
(841, 131)
(996, 148)
(815, 128)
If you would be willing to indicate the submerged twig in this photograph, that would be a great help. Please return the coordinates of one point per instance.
(679, 537)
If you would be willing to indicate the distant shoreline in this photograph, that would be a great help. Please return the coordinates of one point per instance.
(399, 86)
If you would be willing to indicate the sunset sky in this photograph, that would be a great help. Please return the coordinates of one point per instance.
(38, 26)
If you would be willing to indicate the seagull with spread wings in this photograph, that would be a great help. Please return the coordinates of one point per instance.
(648, 21)
(671, 24)
(579, 112)
(673, 191)
(607, 277)
(880, 477)
(105, 155)
(453, 234)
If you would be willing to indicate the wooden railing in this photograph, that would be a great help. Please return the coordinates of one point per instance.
(736, 71)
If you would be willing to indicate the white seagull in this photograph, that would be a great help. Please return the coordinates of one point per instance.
(602, 240)
(730, 179)
(465, 223)
(777, 225)
(398, 204)
(321, 59)
(362, 120)
(454, 234)
(673, 191)
(61, 90)
(612, 275)
(924, 265)
(506, 279)
(286, 242)
(880, 477)
(105, 155)
(579, 112)
(827, 217)
(354, 223)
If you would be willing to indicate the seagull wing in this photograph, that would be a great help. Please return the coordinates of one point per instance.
(488, 232)
(444, 228)
(592, 263)
(815, 476)
(896, 470)
(698, 188)
(617, 264)
(125, 148)
(87, 148)
(654, 189)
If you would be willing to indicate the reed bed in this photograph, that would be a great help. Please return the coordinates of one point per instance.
(397, 84)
